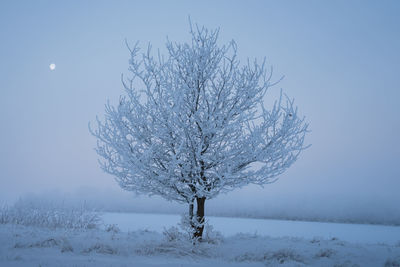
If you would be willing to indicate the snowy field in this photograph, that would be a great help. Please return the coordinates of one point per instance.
(126, 239)
(355, 233)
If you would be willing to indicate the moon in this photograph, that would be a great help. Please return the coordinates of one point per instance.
(52, 66)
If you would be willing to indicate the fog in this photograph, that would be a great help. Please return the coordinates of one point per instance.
(340, 61)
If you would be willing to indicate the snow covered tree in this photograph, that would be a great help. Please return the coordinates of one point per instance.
(193, 124)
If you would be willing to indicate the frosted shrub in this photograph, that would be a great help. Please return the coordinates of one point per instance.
(211, 236)
(283, 255)
(279, 256)
(113, 228)
(188, 225)
(29, 214)
(101, 249)
(325, 253)
(173, 234)
(179, 241)
(4, 214)
(183, 233)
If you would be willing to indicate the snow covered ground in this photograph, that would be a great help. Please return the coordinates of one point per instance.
(141, 240)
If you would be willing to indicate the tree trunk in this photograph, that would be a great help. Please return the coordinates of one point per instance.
(191, 205)
(200, 218)
(191, 211)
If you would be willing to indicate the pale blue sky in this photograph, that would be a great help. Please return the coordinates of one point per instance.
(341, 60)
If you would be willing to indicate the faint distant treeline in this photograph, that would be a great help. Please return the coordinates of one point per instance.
(345, 211)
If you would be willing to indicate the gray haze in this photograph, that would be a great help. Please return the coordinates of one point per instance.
(340, 60)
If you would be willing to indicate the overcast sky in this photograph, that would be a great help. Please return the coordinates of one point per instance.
(340, 59)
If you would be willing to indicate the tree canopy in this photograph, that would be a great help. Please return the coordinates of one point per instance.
(193, 123)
